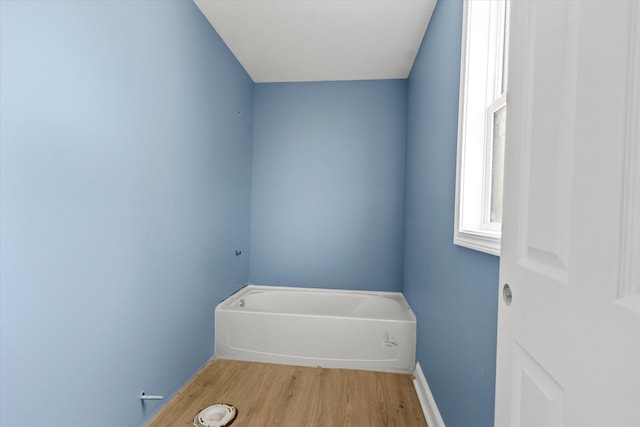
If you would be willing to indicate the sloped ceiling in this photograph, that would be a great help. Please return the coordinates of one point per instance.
(319, 40)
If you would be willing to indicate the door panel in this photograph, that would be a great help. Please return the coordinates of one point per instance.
(569, 342)
(547, 136)
(539, 398)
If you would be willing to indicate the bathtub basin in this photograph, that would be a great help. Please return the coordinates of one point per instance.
(317, 327)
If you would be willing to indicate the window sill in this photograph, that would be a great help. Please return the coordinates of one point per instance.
(480, 241)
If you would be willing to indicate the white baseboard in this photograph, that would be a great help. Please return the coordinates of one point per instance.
(429, 407)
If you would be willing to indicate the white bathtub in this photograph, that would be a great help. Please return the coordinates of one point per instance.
(317, 327)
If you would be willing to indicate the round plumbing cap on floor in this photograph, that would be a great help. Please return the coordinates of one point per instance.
(219, 415)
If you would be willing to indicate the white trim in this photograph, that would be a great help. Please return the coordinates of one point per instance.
(471, 229)
(480, 242)
(427, 402)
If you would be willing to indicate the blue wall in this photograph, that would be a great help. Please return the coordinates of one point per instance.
(453, 290)
(125, 188)
(328, 177)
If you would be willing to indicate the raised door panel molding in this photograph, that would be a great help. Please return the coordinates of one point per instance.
(547, 138)
(539, 398)
(629, 287)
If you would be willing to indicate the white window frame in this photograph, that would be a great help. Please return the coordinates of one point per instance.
(482, 92)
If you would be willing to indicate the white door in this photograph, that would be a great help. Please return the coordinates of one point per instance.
(569, 342)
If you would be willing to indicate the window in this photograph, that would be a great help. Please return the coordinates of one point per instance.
(481, 125)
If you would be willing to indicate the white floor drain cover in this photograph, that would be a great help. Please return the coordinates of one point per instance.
(219, 415)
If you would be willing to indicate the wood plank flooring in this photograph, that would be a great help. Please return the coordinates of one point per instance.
(269, 395)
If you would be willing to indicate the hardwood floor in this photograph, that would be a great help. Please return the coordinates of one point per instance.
(269, 395)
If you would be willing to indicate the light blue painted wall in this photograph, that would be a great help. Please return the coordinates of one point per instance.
(453, 290)
(126, 163)
(328, 177)
(126, 131)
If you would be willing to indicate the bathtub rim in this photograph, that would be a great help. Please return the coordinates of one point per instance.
(227, 303)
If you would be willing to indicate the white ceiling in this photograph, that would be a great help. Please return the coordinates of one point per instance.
(316, 40)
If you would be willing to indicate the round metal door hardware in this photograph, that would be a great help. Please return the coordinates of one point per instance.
(506, 294)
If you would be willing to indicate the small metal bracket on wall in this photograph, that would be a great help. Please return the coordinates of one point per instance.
(144, 396)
